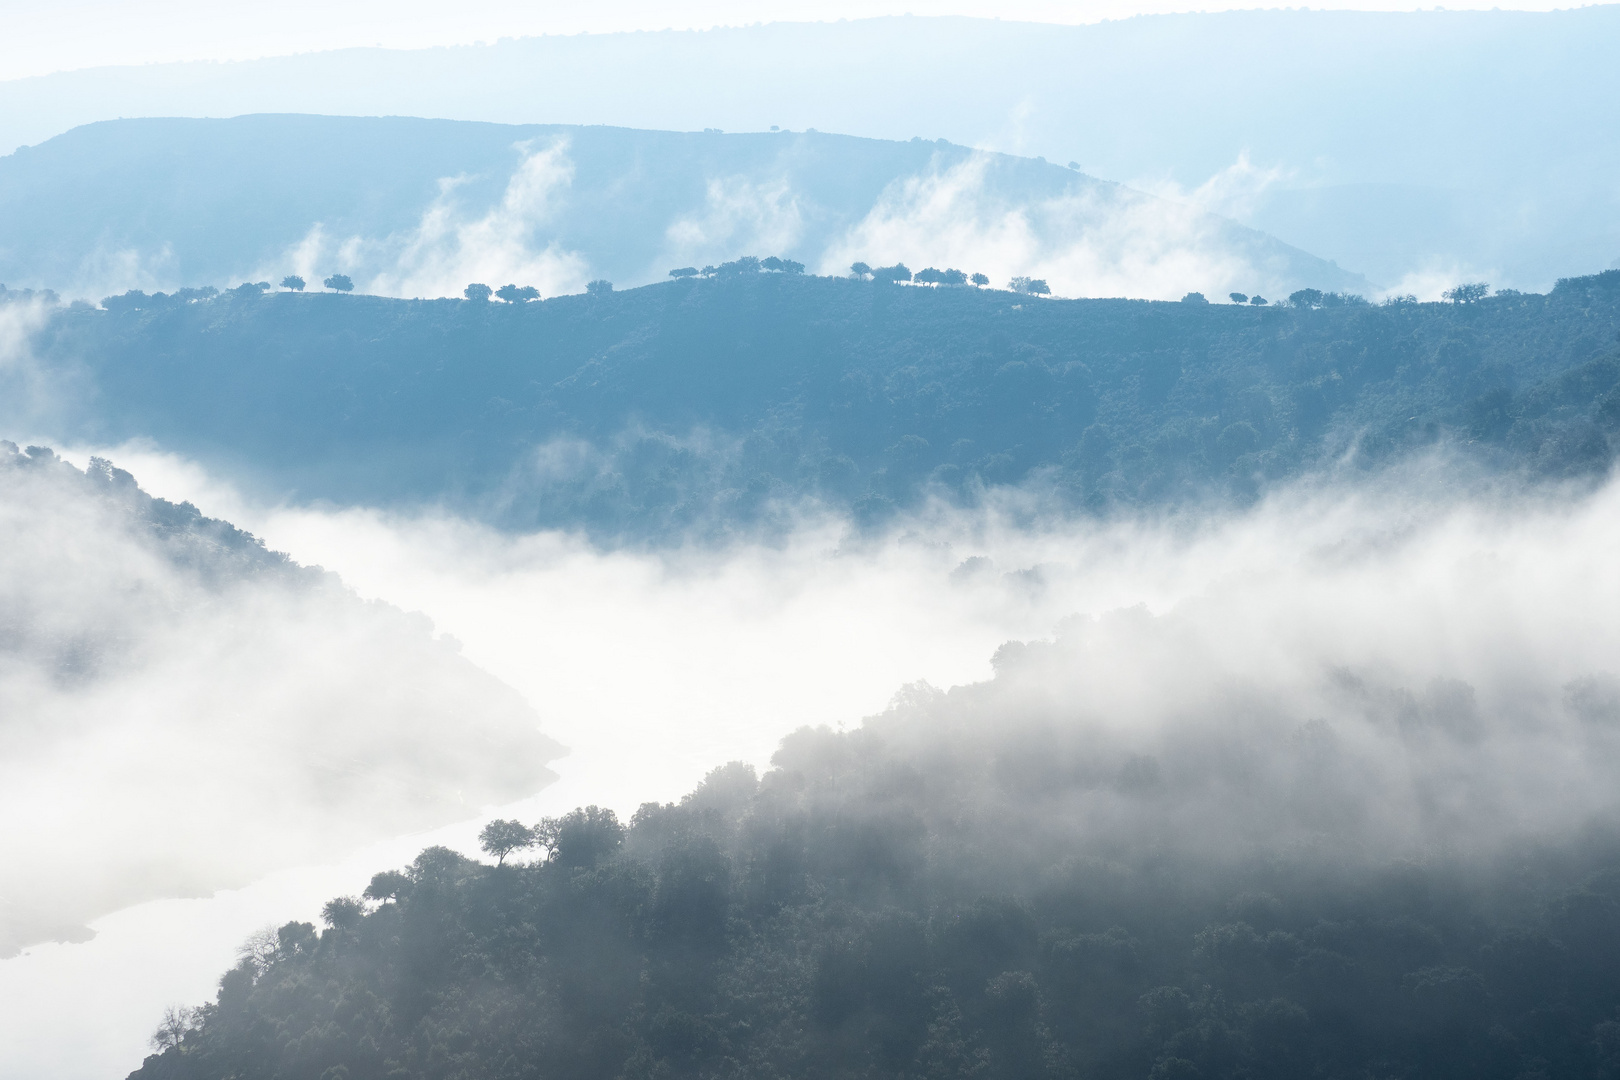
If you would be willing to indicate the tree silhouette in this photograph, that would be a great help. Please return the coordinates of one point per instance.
(293, 282)
(388, 885)
(1468, 294)
(581, 837)
(339, 283)
(599, 287)
(859, 271)
(684, 272)
(1238, 298)
(929, 276)
(952, 277)
(178, 1021)
(979, 280)
(1195, 298)
(1258, 301)
(500, 838)
(897, 272)
(477, 291)
(343, 913)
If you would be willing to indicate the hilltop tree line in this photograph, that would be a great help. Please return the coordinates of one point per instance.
(859, 271)
(862, 398)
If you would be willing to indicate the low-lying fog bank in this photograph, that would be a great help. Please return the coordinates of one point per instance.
(1342, 802)
(1401, 665)
(185, 711)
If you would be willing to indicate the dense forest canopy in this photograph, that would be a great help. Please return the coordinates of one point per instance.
(717, 402)
(1018, 879)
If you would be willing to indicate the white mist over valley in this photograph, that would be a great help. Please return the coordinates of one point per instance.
(1063, 542)
(1485, 613)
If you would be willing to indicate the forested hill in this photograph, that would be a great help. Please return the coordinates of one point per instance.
(661, 409)
(979, 887)
(216, 551)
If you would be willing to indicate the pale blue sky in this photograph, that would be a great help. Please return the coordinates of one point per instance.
(71, 34)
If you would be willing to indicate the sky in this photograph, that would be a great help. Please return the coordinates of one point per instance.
(72, 34)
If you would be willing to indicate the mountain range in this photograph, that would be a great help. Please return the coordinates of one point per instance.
(413, 207)
(1408, 146)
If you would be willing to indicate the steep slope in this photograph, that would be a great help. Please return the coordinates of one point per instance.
(1076, 870)
(721, 402)
(182, 710)
(422, 207)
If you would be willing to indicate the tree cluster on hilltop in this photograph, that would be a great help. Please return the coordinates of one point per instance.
(718, 404)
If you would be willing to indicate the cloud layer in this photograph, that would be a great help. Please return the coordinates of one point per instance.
(1090, 241)
(453, 244)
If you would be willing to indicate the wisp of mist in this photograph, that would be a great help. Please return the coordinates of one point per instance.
(1456, 643)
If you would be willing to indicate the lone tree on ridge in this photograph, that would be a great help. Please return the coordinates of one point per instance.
(501, 838)
(1470, 293)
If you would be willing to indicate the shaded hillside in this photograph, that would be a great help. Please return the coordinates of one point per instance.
(418, 207)
(983, 885)
(712, 402)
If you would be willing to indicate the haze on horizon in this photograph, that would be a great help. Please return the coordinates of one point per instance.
(1416, 149)
(77, 34)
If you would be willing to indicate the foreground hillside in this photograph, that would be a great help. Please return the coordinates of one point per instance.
(720, 402)
(1007, 882)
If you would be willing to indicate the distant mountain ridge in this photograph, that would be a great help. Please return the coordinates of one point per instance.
(1415, 143)
(423, 207)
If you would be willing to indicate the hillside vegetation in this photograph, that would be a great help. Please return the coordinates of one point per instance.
(720, 402)
(972, 887)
